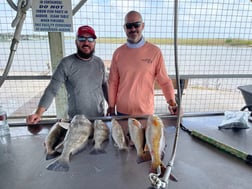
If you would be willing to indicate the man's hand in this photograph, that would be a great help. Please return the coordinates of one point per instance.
(110, 111)
(36, 117)
(174, 110)
(33, 119)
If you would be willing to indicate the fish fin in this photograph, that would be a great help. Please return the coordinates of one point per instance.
(131, 144)
(146, 148)
(59, 164)
(162, 155)
(128, 135)
(162, 170)
(146, 156)
(52, 155)
(139, 159)
(173, 178)
(128, 139)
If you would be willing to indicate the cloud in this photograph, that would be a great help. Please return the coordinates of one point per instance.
(198, 18)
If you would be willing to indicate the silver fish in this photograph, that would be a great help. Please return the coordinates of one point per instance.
(155, 141)
(76, 139)
(101, 133)
(118, 135)
(136, 132)
(55, 136)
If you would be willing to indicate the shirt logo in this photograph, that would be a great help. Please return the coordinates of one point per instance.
(147, 60)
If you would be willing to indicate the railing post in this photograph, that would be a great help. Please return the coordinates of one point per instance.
(57, 52)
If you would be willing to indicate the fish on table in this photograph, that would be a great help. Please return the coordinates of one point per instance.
(118, 135)
(155, 141)
(101, 134)
(78, 133)
(55, 137)
(137, 136)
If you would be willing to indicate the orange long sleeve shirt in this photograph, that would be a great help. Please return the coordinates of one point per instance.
(131, 79)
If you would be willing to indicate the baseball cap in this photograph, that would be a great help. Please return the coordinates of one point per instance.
(86, 29)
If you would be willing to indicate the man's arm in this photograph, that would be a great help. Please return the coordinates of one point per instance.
(36, 117)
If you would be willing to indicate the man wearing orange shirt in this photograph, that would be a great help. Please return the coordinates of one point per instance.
(135, 66)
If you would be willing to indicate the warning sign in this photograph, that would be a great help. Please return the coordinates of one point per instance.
(52, 15)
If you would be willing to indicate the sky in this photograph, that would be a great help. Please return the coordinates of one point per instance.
(196, 18)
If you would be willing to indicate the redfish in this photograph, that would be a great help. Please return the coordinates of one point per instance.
(75, 140)
(155, 141)
(136, 132)
(101, 134)
(118, 135)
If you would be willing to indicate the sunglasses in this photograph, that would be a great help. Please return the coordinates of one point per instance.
(135, 24)
(89, 39)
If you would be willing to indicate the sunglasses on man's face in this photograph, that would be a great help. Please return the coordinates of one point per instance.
(89, 39)
(135, 24)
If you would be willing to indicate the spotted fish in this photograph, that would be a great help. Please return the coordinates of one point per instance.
(76, 139)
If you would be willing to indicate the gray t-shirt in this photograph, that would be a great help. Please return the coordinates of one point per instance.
(85, 82)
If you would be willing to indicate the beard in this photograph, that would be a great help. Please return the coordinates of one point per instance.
(85, 55)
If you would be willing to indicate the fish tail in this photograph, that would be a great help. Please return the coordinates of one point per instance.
(161, 169)
(155, 164)
(123, 148)
(173, 178)
(95, 151)
(59, 164)
(153, 168)
(52, 155)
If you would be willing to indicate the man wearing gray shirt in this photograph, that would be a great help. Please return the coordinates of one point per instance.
(84, 77)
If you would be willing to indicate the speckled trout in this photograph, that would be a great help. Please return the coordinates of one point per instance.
(136, 133)
(101, 134)
(75, 140)
(118, 135)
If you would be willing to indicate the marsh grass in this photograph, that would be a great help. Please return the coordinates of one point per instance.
(189, 41)
(158, 41)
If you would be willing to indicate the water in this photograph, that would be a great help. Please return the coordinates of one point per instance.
(34, 56)
(4, 127)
